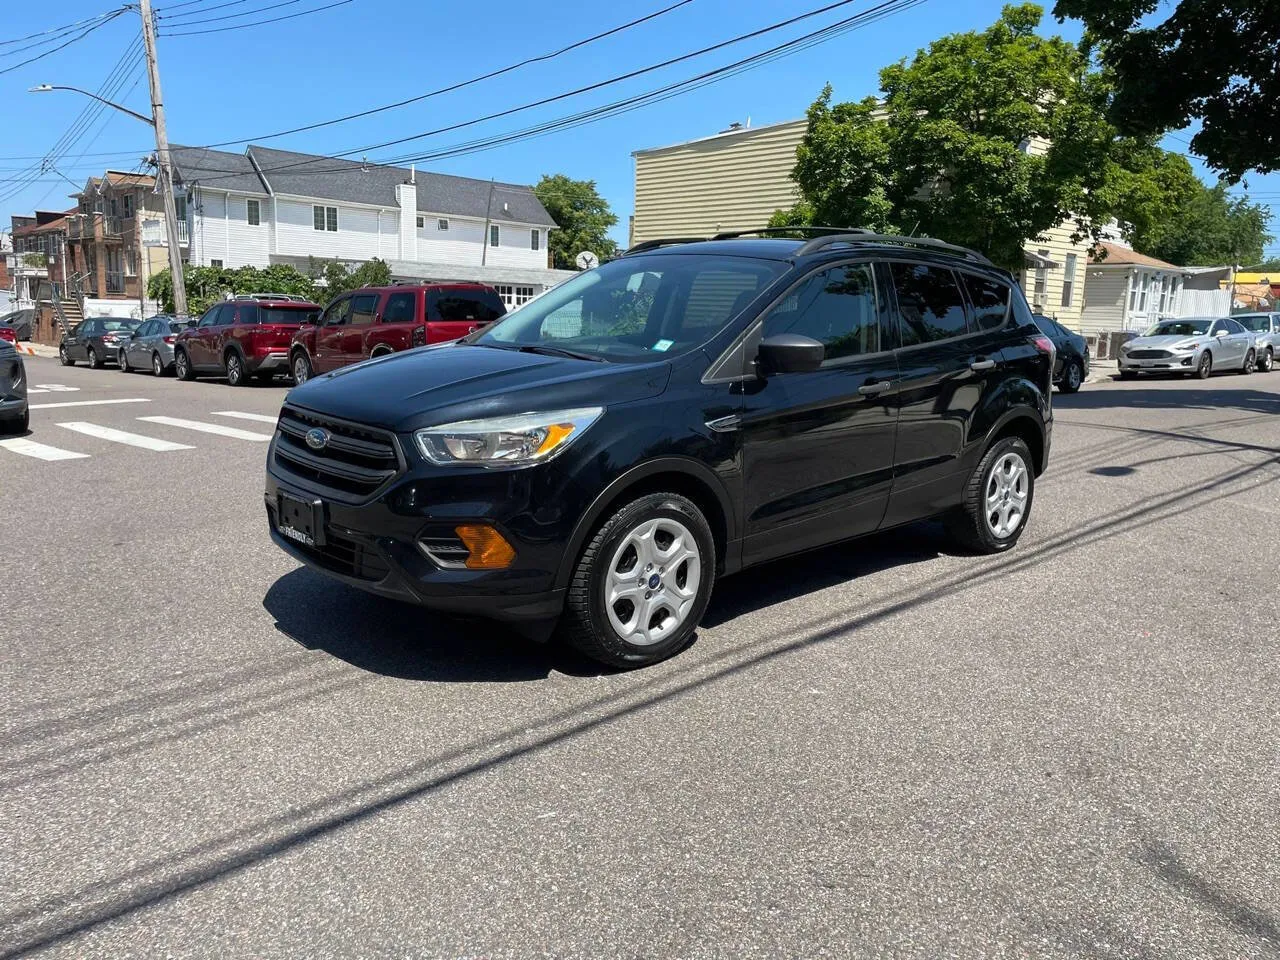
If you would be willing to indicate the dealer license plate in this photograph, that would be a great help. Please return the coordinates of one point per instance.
(301, 520)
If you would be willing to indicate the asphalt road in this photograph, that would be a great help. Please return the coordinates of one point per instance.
(880, 749)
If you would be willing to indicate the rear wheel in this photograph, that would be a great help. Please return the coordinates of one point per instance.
(123, 361)
(1072, 378)
(182, 366)
(997, 499)
(95, 361)
(1266, 361)
(301, 367)
(157, 365)
(1205, 366)
(64, 357)
(642, 583)
(235, 369)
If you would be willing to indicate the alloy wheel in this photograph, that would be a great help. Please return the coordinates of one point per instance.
(301, 369)
(156, 366)
(1006, 496)
(652, 582)
(235, 372)
(1073, 377)
(1206, 364)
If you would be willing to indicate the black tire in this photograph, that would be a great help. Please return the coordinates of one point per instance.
(300, 367)
(1072, 377)
(182, 366)
(1267, 361)
(95, 361)
(63, 357)
(234, 364)
(122, 361)
(969, 524)
(1204, 367)
(20, 425)
(1128, 374)
(585, 624)
(157, 365)
(1249, 359)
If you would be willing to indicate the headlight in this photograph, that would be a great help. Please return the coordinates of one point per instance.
(1124, 348)
(505, 441)
(1187, 346)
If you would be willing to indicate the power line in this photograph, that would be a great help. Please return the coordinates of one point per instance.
(69, 26)
(258, 23)
(80, 36)
(884, 8)
(458, 86)
(229, 16)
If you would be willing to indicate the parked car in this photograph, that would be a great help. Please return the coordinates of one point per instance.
(242, 338)
(20, 322)
(14, 415)
(374, 321)
(1196, 346)
(96, 340)
(599, 457)
(150, 347)
(1071, 365)
(1266, 337)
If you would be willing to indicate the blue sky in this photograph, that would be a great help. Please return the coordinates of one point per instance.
(246, 83)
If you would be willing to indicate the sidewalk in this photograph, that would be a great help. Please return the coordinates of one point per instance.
(37, 349)
(1100, 370)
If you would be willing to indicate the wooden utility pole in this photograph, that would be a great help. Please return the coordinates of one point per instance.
(163, 161)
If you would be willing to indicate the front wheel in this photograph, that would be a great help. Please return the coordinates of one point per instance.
(1249, 358)
(1205, 366)
(63, 357)
(182, 366)
(997, 499)
(1072, 379)
(301, 368)
(642, 583)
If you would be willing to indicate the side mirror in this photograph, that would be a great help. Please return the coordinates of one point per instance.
(790, 353)
(1221, 333)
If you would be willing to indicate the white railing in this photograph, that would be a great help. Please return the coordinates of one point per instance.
(153, 233)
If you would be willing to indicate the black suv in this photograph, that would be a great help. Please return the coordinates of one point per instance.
(597, 458)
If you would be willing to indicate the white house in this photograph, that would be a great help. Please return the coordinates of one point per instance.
(269, 206)
(1127, 290)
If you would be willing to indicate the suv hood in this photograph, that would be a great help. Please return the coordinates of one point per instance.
(1165, 342)
(433, 385)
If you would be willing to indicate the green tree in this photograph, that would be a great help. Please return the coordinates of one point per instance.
(986, 139)
(339, 279)
(207, 285)
(1204, 226)
(583, 218)
(1212, 61)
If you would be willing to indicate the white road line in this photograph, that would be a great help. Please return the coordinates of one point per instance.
(31, 390)
(29, 448)
(260, 417)
(57, 388)
(86, 403)
(203, 427)
(121, 436)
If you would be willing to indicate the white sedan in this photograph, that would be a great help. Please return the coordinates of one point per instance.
(1196, 346)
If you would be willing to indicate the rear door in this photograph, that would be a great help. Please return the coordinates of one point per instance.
(359, 324)
(817, 447)
(948, 362)
(329, 335)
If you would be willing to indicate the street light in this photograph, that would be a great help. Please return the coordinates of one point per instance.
(46, 87)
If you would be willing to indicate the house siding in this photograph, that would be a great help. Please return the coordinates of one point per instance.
(1105, 291)
(358, 235)
(464, 242)
(731, 182)
(1060, 246)
(220, 230)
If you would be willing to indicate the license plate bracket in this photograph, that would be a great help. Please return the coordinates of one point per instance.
(300, 520)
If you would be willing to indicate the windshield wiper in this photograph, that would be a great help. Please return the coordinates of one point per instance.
(559, 352)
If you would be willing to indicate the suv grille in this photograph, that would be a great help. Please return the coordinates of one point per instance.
(352, 466)
(1149, 354)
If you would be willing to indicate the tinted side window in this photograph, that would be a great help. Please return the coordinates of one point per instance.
(477, 305)
(1218, 325)
(990, 301)
(363, 307)
(211, 318)
(836, 307)
(929, 303)
(400, 308)
(336, 312)
(247, 313)
(1234, 327)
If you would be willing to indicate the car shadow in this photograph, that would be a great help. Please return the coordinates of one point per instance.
(407, 642)
(1230, 392)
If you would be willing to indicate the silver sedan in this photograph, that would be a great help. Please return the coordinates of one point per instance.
(1196, 346)
(150, 347)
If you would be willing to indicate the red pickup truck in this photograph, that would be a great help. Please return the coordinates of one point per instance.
(374, 321)
(242, 338)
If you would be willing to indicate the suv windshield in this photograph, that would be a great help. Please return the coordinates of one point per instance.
(1257, 321)
(1178, 328)
(637, 308)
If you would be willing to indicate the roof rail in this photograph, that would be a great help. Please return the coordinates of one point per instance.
(927, 243)
(664, 242)
(768, 231)
(288, 297)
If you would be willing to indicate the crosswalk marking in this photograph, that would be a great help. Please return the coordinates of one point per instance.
(29, 448)
(86, 403)
(121, 436)
(202, 427)
(260, 417)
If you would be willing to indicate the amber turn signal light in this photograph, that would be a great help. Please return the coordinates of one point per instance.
(488, 549)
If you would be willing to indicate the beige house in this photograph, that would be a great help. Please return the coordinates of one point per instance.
(738, 178)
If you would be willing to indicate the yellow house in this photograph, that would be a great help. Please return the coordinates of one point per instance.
(736, 179)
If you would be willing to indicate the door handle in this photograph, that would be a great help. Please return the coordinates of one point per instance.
(980, 365)
(874, 389)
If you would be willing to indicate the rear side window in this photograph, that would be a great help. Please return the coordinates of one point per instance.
(836, 307)
(363, 307)
(176, 326)
(929, 303)
(400, 308)
(990, 300)
(480, 306)
(289, 315)
(248, 313)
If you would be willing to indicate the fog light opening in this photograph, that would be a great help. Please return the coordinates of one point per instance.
(489, 550)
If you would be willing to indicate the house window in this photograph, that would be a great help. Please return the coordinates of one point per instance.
(128, 206)
(533, 239)
(253, 212)
(325, 218)
(523, 295)
(442, 224)
(422, 222)
(217, 264)
(180, 205)
(131, 263)
(1133, 292)
(1164, 292)
(1144, 292)
(507, 292)
(1042, 280)
(1069, 280)
(493, 235)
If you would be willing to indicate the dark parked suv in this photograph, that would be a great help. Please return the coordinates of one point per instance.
(599, 457)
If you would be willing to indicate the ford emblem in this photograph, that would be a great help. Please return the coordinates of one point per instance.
(317, 438)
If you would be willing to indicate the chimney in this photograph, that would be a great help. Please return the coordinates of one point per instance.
(413, 173)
